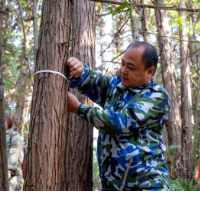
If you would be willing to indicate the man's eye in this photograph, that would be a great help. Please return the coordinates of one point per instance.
(130, 68)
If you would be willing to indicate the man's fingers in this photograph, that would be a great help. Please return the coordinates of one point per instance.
(75, 67)
(70, 60)
(76, 72)
(74, 62)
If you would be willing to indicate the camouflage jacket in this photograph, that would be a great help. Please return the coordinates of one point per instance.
(130, 126)
(15, 153)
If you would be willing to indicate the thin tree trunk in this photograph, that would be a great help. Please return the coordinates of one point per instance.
(144, 24)
(101, 25)
(132, 21)
(80, 138)
(169, 80)
(195, 99)
(3, 145)
(135, 28)
(35, 29)
(48, 127)
(186, 103)
(118, 45)
(135, 23)
(21, 84)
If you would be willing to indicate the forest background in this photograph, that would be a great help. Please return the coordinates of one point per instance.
(173, 27)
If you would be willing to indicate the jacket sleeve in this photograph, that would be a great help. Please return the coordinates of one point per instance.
(149, 111)
(15, 155)
(92, 84)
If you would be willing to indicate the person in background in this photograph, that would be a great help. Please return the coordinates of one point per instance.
(14, 155)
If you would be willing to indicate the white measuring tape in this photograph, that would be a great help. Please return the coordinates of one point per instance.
(53, 72)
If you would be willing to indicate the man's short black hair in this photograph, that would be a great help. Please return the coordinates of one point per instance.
(150, 54)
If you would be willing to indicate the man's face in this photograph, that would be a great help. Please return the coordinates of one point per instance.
(132, 70)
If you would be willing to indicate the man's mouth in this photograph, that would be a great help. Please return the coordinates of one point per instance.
(124, 78)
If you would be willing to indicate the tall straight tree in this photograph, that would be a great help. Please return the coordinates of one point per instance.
(174, 125)
(3, 146)
(35, 28)
(101, 31)
(194, 57)
(48, 127)
(186, 99)
(79, 132)
(144, 24)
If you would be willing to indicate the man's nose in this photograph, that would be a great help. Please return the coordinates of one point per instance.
(123, 70)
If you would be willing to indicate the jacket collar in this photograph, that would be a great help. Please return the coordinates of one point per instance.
(135, 89)
(9, 131)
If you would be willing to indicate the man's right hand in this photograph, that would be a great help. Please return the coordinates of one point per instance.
(76, 67)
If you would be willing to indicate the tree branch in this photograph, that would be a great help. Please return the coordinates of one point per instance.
(151, 6)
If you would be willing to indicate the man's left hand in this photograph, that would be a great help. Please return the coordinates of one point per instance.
(72, 103)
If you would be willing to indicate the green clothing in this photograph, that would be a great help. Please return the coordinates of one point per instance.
(15, 155)
(130, 125)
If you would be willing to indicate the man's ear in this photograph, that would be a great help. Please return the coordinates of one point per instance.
(151, 70)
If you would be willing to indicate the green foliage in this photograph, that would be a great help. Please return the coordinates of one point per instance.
(180, 185)
(96, 179)
(171, 161)
(171, 150)
(119, 9)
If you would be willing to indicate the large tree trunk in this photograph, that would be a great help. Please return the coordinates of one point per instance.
(48, 127)
(186, 102)
(3, 145)
(174, 125)
(80, 137)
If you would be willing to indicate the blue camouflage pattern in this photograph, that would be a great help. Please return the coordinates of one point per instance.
(130, 125)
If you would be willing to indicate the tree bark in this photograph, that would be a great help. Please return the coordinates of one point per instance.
(144, 23)
(118, 45)
(35, 29)
(174, 125)
(186, 102)
(80, 133)
(101, 26)
(48, 127)
(3, 145)
(195, 98)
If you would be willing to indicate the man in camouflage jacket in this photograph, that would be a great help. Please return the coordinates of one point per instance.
(15, 156)
(130, 123)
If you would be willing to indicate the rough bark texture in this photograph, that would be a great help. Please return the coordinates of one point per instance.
(195, 93)
(174, 124)
(80, 138)
(47, 137)
(186, 103)
(3, 152)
